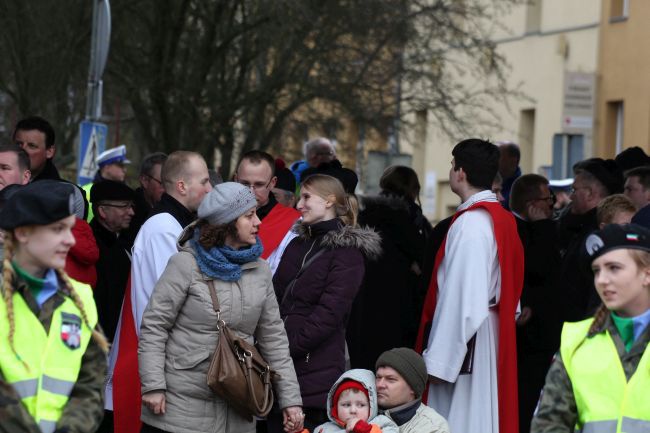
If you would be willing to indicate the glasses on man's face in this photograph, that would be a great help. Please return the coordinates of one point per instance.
(121, 206)
(255, 186)
(551, 199)
(158, 181)
(575, 189)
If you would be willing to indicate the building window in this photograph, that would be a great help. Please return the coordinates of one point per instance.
(533, 16)
(567, 150)
(614, 123)
(619, 10)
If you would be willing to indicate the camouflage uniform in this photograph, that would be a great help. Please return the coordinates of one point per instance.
(84, 409)
(556, 411)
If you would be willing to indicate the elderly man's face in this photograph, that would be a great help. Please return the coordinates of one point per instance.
(116, 215)
(321, 153)
(392, 389)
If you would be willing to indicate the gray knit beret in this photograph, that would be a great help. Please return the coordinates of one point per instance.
(409, 364)
(226, 202)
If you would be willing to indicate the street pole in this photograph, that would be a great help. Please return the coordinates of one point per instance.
(100, 42)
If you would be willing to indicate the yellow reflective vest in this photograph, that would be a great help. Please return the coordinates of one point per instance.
(606, 401)
(86, 188)
(48, 364)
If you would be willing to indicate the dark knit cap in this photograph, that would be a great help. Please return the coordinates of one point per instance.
(286, 179)
(38, 203)
(606, 172)
(409, 364)
(347, 177)
(111, 190)
(632, 157)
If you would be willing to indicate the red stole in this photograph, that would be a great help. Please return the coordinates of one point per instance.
(275, 226)
(127, 402)
(511, 264)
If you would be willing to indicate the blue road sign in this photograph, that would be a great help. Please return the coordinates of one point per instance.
(92, 142)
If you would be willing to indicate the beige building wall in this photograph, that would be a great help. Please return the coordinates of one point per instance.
(624, 77)
(540, 42)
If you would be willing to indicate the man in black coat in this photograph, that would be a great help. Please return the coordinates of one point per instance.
(539, 325)
(112, 204)
(594, 179)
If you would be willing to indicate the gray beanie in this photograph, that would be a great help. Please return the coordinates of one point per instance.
(226, 202)
(409, 364)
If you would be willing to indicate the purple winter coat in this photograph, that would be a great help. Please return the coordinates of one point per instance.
(315, 311)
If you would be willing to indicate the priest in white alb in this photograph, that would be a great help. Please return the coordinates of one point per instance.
(467, 332)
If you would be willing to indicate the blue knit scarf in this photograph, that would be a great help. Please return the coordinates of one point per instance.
(224, 263)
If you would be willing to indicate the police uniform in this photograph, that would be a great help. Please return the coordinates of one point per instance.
(53, 383)
(110, 156)
(599, 381)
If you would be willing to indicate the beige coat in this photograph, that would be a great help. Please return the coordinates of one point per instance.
(425, 420)
(179, 334)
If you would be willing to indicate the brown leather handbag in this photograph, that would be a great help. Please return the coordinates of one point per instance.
(237, 371)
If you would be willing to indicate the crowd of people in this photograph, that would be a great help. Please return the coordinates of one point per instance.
(527, 310)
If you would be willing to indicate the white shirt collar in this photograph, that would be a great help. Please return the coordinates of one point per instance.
(485, 195)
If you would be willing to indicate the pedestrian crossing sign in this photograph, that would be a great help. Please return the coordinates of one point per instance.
(92, 142)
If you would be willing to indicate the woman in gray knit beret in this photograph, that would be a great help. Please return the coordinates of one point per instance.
(179, 327)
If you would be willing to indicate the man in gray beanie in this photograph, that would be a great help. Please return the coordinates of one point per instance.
(401, 380)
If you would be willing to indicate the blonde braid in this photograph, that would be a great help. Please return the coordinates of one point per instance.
(599, 320)
(600, 316)
(8, 277)
(99, 338)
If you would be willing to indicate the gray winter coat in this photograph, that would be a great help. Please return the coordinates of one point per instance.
(367, 379)
(179, 334)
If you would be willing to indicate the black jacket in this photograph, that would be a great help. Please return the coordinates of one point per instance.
(386, 312)
(113, 269)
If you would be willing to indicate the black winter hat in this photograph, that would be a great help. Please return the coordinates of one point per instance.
(38, 203)
(616, 236)
(286, 179)
(606, 171)
(110, 190)
(632, 157)
(409, 364)
(347, 177)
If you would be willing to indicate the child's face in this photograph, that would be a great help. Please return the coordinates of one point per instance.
(353, 404)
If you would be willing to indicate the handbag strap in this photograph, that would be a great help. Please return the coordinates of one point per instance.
(300, 272)
(215, 300)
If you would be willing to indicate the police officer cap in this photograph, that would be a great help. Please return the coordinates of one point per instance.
(111, 190)
(113, 156)
(38, 203)
(615, 236)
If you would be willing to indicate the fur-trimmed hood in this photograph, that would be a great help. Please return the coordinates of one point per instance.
(364, 239)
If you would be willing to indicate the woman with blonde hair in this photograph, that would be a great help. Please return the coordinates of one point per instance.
(52, 353)
(600, 379)
(318, 277)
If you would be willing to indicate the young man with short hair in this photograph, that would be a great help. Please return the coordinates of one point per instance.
(256, 170)
(469, 311)
(14, 166)
(401, 379)
(36, 136)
